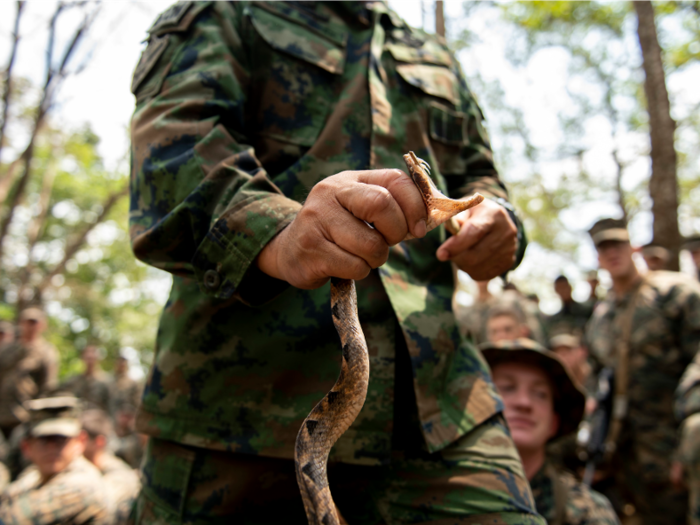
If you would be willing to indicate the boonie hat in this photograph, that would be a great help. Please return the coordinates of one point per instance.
(569, 340)
(609, 230)
(654, 250)
(52, 416)
(569, 399)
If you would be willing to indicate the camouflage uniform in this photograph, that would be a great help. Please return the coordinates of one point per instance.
(25, 372)
(563, 500)
(123, 392)
(73, 497)
(121, 484)
(129, 449)
(93, 390)
(4, 477)
(664, 340)
(241, 109)
(689, 456)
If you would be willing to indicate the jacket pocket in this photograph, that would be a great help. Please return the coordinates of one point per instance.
(297, 71)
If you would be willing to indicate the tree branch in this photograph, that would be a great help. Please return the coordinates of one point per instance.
(79, 240)
(7, 91)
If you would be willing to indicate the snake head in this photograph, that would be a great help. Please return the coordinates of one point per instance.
(441, 209)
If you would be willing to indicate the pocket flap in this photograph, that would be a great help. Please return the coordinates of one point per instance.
(428, 53)
(318, 44)
(437, 81)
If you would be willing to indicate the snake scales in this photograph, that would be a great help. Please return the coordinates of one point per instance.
(334, 414)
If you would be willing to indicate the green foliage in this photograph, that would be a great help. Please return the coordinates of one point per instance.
(101, 295)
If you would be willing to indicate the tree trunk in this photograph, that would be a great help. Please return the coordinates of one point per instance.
(439, 18)
(663, 184)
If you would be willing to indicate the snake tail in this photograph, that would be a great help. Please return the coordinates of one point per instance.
(334, 414)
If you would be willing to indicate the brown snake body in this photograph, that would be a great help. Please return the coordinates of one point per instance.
(334, 414)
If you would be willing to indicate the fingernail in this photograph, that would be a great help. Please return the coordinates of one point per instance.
(421, 228)
(443, 255)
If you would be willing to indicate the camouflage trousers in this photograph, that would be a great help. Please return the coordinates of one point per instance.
(477, 479)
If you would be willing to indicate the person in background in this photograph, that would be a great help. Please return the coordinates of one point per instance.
(692, 244)
(28, 367)
(647, 330)
(656, 257)
(123, 391)
(7, 332)
(92, 386)
(120, 480)
(61, 487)
(128, 445)
(505, 323)
(542, 402)
(572, 316)
(573, 354)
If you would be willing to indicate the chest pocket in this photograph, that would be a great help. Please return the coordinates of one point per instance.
(299, 63)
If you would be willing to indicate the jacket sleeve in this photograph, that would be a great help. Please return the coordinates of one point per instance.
(202, 206)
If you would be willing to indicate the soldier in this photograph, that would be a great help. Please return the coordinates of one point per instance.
(244, 110)
(692, 244)
(7, 333)
(572, 316)
(543, 402)
(123, 391)
(28, 367)
(505, 323)
(93, 385)
(62, 487)
(648, 330)
(129, 444)
(120, 481)
(656, 257)
(573, 354)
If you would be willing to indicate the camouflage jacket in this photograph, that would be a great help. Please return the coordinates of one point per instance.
(25, 372)
(241, 109)
(72, 497)
(93, 390)
(570, 319)
(665, 339)
(563, 500)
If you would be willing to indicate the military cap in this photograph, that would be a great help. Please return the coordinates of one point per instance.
(32, 314)
(654, 250)
(58, 415)
(609, 230)
(692, 244)
(569, 399)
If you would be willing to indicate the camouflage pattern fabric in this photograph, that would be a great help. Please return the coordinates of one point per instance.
(241, 109)
(93, 390)
(584, 506)
(72, 497)
(689, 455)
(664, 341)
(122, 484)
(25, 372)
(189, 485)
(123, 392)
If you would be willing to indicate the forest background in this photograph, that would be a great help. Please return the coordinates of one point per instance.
(562, 86)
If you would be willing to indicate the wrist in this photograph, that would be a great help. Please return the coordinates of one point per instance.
(267, 259)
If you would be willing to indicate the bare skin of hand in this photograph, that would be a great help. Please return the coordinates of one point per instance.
(486, 243)
(328, 237)
(676, 475)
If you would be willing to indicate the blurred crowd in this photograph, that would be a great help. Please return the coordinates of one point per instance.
(68, 450)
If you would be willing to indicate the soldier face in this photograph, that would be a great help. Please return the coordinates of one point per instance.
(616, 258)
(563, 290)
(504, 328)
(52, 454)
(528, 397)
(30, 329)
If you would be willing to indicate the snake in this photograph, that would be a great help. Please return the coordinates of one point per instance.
(334, 414)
